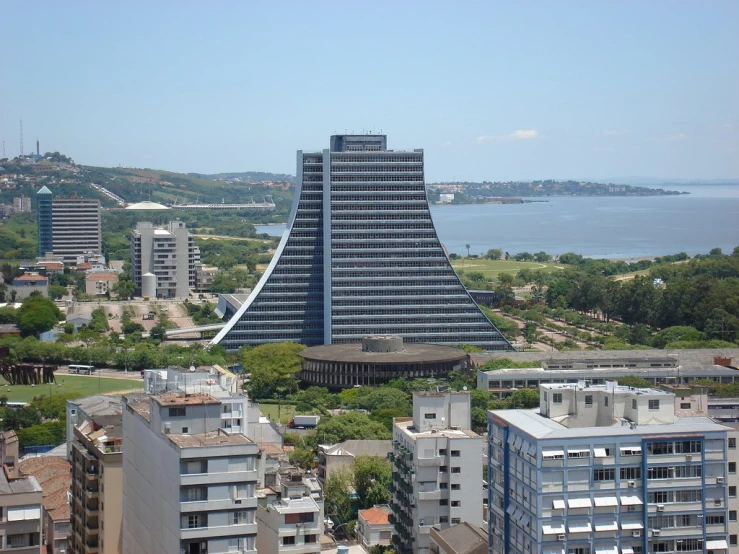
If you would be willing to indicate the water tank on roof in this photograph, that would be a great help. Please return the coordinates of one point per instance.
(149, 285)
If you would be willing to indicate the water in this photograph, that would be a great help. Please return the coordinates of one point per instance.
(615, 227)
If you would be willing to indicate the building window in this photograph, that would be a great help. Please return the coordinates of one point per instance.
(304, 517)
(588, 399)
(630, 473)
(446, 485)
(442, 451)
(178, 411)
(456, 520)
(288, 541)
(443, 469)
(242, 517)
(717, 519)
(194, 521)
(732, 540)
(732, 492)
(654, 404)
(456, 503)
(443, 519)
(604, 474)
(455, 486)
(732, 467)
(185, 430)
(606, 400)
(444, 502)
(429, 416)
(732, 442)
(455, 453)
(310, 539)
(684, 405)
(456, 470)
(633, 403)
(732, 515)
(557, 398)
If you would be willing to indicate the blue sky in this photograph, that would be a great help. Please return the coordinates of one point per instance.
(491, 90)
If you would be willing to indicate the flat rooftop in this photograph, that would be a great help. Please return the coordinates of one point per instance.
(18, 486)
(294, 505)
(693, 357)
(411, 353)
(406, 426)
(620, 389)
(537, 426)
(210, 438)
(183, 399)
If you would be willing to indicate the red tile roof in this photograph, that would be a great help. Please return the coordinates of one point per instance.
(375, 516)
(102, 277)
(84, 266)
(30, 278)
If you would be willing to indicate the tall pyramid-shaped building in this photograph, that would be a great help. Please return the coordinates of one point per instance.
(360, 256)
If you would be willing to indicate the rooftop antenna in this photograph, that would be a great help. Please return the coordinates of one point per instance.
(38, 150)
(21, 136)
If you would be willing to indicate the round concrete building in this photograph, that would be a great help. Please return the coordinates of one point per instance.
(376, 360)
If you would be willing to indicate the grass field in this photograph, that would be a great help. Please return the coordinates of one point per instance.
(492, 268)
(82, 385)
(270, 410)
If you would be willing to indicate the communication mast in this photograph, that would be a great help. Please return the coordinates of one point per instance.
(21, 154)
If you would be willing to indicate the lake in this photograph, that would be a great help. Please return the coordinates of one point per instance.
(607, 227)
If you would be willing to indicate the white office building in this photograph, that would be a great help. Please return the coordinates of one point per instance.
(168, 253)
(437, 469)
(189, 484)
(606, 468)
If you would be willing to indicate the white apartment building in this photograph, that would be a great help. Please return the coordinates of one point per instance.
(732, 487)
(606, 468)
(169, 253)
(290, 525)
(437, 469)
(189, 485)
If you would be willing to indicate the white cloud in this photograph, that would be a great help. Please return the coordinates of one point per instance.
(616, 132)
(520, 134)
(677, 136)
(524, 134)
(602, 149)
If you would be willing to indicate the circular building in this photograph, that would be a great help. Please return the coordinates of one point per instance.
(377, 360)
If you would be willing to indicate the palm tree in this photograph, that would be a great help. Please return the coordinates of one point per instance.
(468, 250)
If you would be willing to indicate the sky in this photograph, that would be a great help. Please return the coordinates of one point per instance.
(491, 90)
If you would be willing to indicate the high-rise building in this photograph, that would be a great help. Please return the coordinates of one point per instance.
(437, 469)
(21, 204)
(76, 227)
(360, 257)
(68, 227)
(168, 253)
(45, 233)
(189, 472)
(603, 468)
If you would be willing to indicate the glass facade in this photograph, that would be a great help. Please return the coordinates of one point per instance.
(360, 257)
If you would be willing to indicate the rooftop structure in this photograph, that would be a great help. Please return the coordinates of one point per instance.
(290, 525)
(337, 456)
(360, 256)
(374, 527)
(377, 360)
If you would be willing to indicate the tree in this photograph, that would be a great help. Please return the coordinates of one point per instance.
(372, 476)
(385, 416)
(158, 332)
(530, 333)
(124, 288)
(57, 291)
(524, 398)
(336, 496)
(494, 254)
(273, 368)
(8, 314)
(634, 381)
(350, 426)
(371, 399)
(36, 315)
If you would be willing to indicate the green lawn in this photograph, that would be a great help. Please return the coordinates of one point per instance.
(492, 268)
(82, 385)
(270, 410)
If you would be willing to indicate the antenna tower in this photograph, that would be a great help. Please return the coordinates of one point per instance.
(21, 137)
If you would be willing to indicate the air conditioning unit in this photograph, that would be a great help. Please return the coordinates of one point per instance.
(636, 534)
(167, 428)
(719, 480)
(656, 532)
(689, 458)
(237, 501)
(631, 509)
(660, 508)
(560, 537)
(632, 484)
